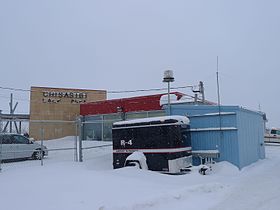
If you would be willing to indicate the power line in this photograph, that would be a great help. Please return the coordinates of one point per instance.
(147, 90)
(96, 93)
(112, 91)
(14, 89)
(61, 102)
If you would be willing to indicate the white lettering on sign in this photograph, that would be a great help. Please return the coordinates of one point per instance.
(129, 142)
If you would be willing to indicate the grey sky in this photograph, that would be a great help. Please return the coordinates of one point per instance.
(127, 44)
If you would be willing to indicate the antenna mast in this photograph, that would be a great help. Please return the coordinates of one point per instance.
(219, 101)
(218, 85)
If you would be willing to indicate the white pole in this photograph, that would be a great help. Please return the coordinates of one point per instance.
(169, 107)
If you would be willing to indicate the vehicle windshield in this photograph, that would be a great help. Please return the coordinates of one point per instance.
(273, 132)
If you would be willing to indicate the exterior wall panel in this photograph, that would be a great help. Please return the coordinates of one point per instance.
(57, 104)
(251, 137)
(241, 139)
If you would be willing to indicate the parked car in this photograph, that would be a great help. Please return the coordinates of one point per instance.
(16, 146)
(272, 135)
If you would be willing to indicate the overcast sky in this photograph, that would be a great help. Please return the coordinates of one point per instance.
(127, 45)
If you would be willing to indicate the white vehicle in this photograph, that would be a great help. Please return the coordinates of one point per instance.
(272, 135)
(15, 146)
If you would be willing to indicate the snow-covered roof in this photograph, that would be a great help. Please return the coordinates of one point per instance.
(164, 99)
(215, 151)
(179, 118)
(213, 114)
(186, 99)
(206, 153)
(214, 129)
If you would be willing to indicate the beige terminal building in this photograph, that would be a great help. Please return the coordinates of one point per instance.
(53, 110)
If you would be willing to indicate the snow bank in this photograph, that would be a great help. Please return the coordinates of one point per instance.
(93, 184)
(225, 168)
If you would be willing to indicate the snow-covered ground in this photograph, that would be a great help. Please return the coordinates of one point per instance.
(62, 184)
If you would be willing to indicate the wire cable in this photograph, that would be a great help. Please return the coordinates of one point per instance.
(112, 91)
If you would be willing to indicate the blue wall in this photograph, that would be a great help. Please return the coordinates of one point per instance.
(240, 140)
(251, 137)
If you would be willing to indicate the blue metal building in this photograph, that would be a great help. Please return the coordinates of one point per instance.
(236, 132)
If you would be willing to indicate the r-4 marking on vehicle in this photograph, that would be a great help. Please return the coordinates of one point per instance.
(123, 142)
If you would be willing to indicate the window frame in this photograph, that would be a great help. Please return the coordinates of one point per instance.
(17, 139)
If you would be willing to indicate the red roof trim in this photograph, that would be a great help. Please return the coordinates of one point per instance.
(133, 104)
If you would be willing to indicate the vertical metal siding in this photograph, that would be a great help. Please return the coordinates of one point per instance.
(209, 140)
(251, 137)
(213, 121)
(241, 147)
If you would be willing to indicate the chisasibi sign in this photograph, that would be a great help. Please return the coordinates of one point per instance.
(57, 97)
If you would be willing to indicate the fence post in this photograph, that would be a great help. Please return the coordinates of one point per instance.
(42, 136)
(102, 128)
(1, 141)
(1, 150)
(76, 140)
(81, 124)
(1, 126)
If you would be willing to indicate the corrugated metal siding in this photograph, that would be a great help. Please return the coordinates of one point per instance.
(213, 121)
(209, 140)
(239, 146)
(251, 137)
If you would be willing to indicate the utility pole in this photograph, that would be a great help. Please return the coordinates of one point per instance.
(1, 129)
(201, 90)
(11, 111)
